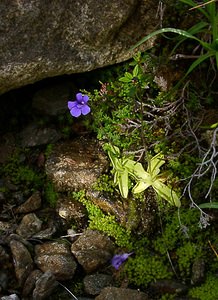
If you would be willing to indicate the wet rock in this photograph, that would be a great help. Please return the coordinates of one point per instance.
(11, 297)
(3, 280)
(29, 225)
(56, 258)
(20, 239)
(131, 214)
(147, 213)
(33, 203)
(23, 262)
(114, 207)
(52, 100)
(29, 284)
(4, 256)
(169, 286)
(75, 165)
(6, 269)
(71, 210)
(93, 284)
(92, 250)
(6, 226)
(46, 233)
(44, 286)
(198, 271)
(34, 135)
(114, 293)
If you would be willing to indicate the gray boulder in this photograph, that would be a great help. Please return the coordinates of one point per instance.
(41, 39)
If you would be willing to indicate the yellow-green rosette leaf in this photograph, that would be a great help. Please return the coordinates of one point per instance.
(140, 187)
(166, 193)
(123, 183)
(116, 177)
(154, 164)
(140, 173)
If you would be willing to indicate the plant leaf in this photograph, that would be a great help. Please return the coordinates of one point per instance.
(123, 184)
(113, 149)
(140, 187)
(209, 205)
(166, 193)
(130, 165)
(162, 30)
(154, 165)
(135, 71)
(199, 61)
(125, 79)
(140, 174)
(193, 30)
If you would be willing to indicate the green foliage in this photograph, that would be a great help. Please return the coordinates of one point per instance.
(173, 234)
(144, 269)
(208, 27)
(207, 291)
(123, 166)
(184, 240)
(48, 150)
(168, 297)
(51, 195)
(105, 223)
(21, 174)
(117, 107)
(184, 166)
(186, 255)
(105, 184)
(209, 205)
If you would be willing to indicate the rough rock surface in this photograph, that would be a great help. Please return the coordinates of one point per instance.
(94, 283)
(55, 257)
(75, 165)
(41, 39)
(92, 250)
(121, 294)
(22, 259)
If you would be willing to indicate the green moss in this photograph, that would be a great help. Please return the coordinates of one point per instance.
(186, 255)
(105, 183)
(105, 223)
(51, 195)
(144, 269)
(207, 291)
(20, 173)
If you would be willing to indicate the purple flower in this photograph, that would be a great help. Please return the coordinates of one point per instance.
(79, 106)
(118, 259)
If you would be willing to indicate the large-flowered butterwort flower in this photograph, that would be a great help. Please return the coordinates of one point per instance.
(119, 259)
(79, 106)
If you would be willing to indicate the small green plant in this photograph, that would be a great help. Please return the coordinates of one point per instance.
(123, 167)
(187, 254)
(20, 173)
(206, 291)
(105, 223)
(50, 194)
(144, 269)
(208, 28)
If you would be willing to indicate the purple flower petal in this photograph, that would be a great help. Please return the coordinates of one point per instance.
(71, 104)
(118, 259)
(85, 98)
(85, 109)
(79, 97)
(75, 112)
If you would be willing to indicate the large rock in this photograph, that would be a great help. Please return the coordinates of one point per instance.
(41, 39)
(75, 165)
